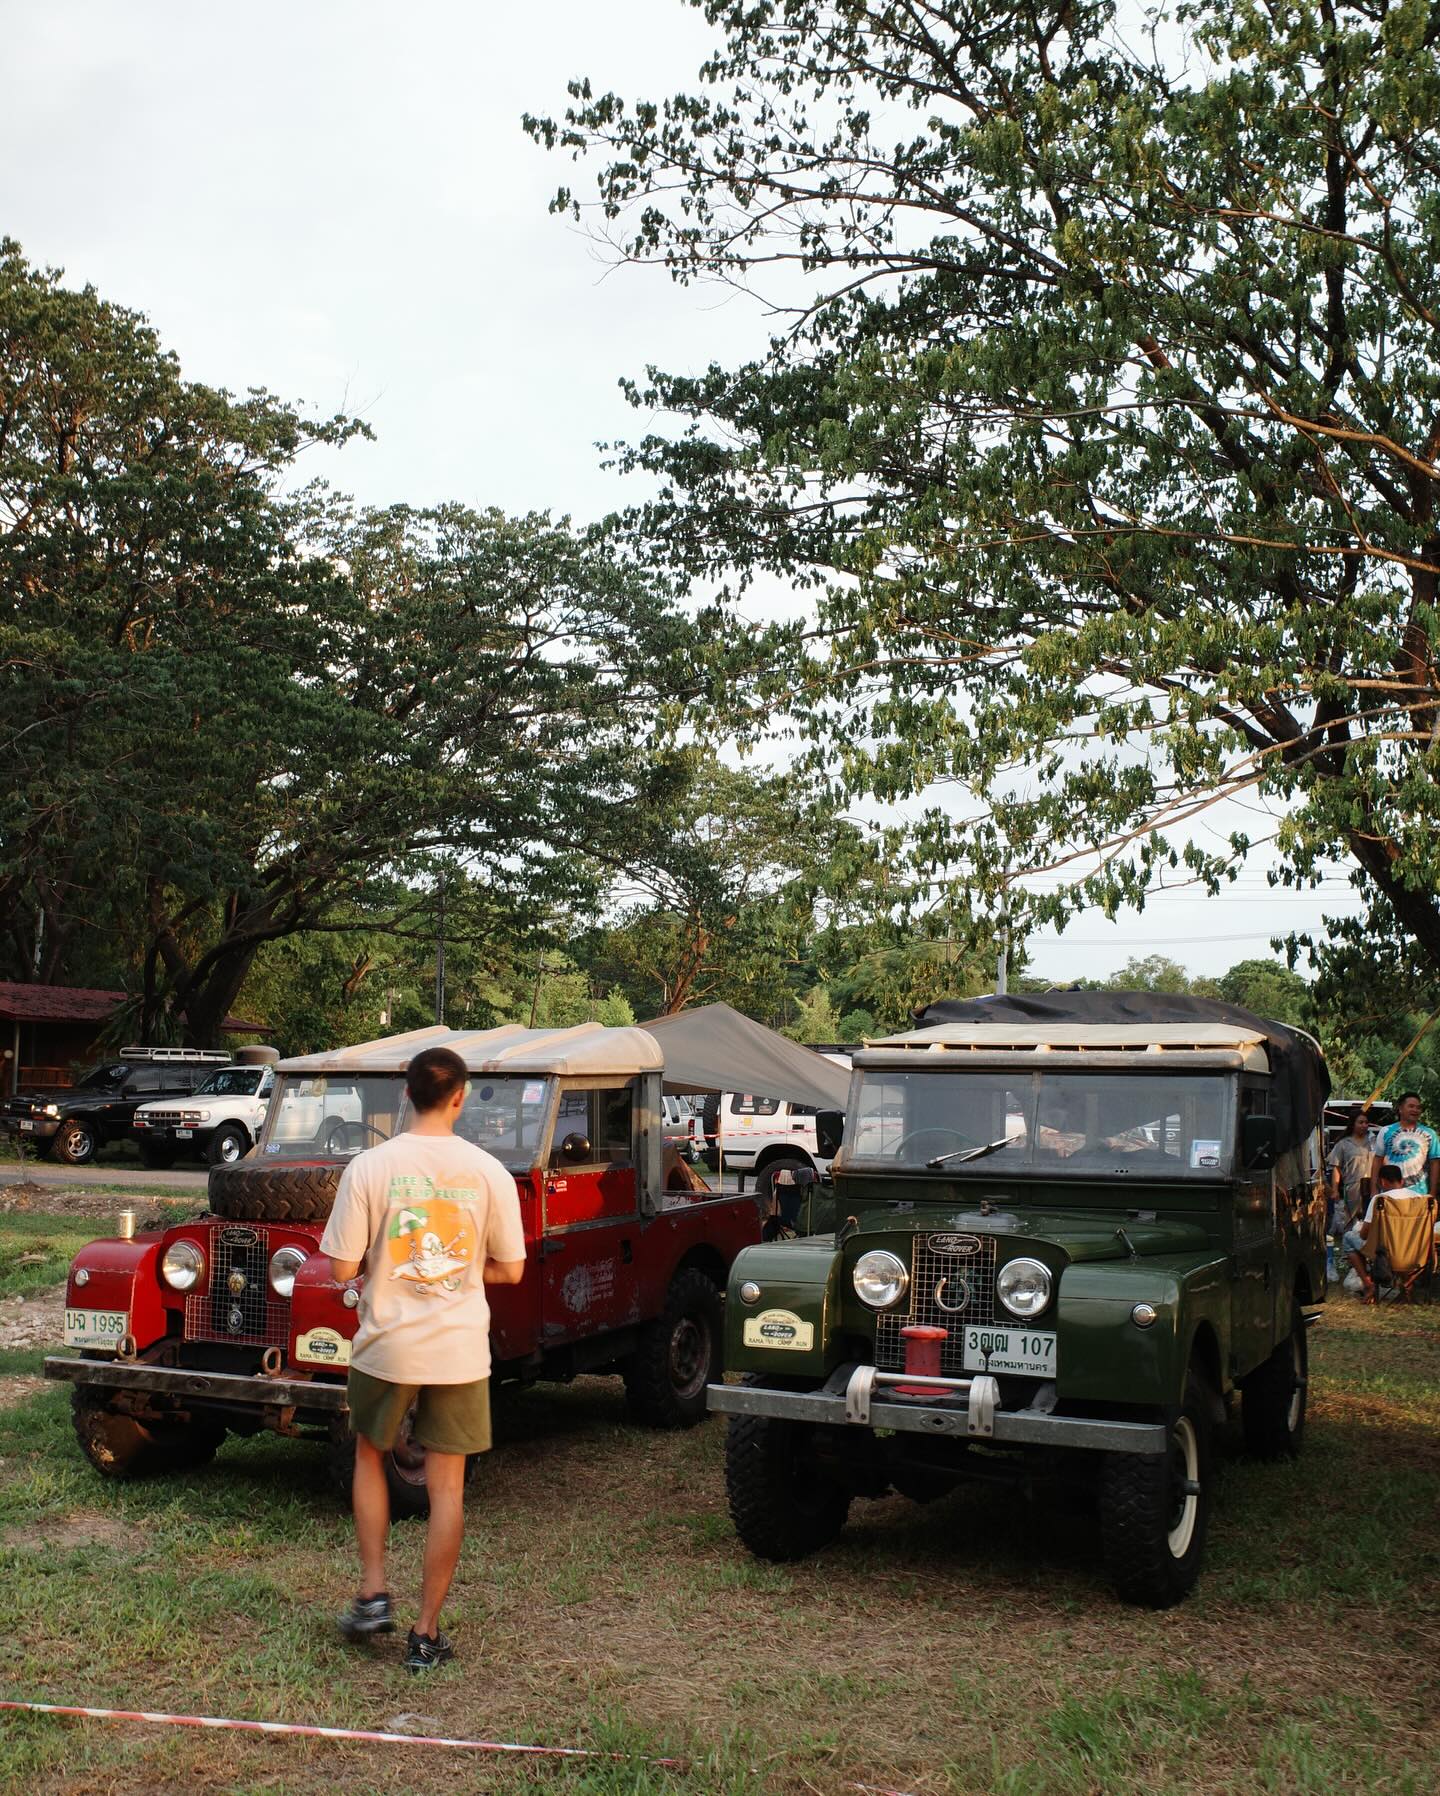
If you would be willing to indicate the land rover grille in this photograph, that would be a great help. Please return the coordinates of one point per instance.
(952, 1286)
(238, 1304)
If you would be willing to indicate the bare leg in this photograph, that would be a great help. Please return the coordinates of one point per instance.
(371, 1499)
(1361, 1265)
(445, 1479)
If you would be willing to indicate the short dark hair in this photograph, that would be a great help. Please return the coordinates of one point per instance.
(1405, 1097)
(1389, 1170)
(434, 1077)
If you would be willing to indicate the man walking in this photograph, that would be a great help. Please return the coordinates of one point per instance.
(432, 1220)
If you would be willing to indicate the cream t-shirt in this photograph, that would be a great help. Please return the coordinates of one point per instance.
(424, 1213)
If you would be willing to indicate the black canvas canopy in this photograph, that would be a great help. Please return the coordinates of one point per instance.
(1301, 1080)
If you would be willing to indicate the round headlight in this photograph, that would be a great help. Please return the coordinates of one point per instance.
(285, 1262)
(880, 1279)
(183, 1266)
(1023, 1287)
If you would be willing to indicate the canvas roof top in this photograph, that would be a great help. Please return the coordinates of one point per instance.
(1007, 1033)
(713, 1048)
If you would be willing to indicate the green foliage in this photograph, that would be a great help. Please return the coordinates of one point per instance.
(1101, 429)
(231, 715)
(1158, 973)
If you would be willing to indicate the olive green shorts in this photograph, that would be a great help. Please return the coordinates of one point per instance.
(449, 1418)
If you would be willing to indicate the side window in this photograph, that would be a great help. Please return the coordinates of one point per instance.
(745, 1104)
(605, 1117)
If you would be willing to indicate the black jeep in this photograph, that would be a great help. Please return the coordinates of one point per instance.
(74, 1122)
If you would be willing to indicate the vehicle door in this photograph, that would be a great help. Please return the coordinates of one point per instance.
(143, 1084)
(591, 1213)
(1257, 1252)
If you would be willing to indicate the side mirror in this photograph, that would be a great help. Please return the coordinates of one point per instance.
(1258, 1141)
(829, 1131)
(575, 1148)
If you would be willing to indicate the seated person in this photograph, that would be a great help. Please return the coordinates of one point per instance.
(1389, 1177)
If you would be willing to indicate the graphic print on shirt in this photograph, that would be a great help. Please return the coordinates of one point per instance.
(429, 1237)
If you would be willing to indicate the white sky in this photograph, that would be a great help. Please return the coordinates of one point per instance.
(334, 199)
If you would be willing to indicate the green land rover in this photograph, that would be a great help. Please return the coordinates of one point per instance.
(1072, 1231)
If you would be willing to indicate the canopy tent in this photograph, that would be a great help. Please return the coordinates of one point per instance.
(715, 1048)
(711, 1049)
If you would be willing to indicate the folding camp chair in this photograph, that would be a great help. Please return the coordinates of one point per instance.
(1401, 1242)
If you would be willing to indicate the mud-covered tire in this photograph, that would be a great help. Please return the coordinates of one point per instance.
(404, 1472)
(1273, 1397)
(76, 1142)
(784, 1504)
(250, 1191)
(678, 1355)
(1155, 1509)
(119, 1446)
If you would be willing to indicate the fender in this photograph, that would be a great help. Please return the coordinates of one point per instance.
(322, 1325)
(122, 1275)
(792, 1329)
(1105, 1357)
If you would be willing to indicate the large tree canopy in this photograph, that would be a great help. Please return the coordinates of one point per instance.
(1103, 413)
(231, 713)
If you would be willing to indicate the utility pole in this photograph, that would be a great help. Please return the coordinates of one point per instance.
(440, 955)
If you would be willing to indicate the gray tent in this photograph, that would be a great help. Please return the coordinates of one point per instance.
(716, 1049)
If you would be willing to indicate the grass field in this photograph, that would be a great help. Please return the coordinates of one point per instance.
(972, 1646)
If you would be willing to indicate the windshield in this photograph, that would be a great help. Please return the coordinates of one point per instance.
(232, 1082)
(1080, 1124)
(338, 1115)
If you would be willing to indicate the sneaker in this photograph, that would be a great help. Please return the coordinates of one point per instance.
(423, 1652)
(368, 1615)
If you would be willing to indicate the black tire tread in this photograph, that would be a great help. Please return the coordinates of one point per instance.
(58, 1142)
(651, 1396)
(1265, 1399)
(249, 1191)
(1134, 1524)
(762, 1505)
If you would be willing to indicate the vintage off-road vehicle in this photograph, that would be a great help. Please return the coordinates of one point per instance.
(1072, 1230)
(234, 1322)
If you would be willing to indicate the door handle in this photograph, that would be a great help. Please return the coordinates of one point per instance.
(550, 1245)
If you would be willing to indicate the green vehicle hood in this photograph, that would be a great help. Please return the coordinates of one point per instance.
(1076, 1234)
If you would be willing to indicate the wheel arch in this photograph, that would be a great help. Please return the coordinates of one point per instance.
(1206, 1358)
(703, 1257)
(783, 1150)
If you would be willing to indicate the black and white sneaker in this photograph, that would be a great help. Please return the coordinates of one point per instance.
(423, 1652)
(368, 1615)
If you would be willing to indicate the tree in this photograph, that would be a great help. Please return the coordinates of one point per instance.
(1270, 989)
(1104, 414)
(230, 716)
(1158, 973)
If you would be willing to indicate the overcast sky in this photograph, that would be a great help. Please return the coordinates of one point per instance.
(334, 199)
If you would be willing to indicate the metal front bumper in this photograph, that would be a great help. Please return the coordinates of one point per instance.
(46, 1128)
(968, 1410)
(244, 1391)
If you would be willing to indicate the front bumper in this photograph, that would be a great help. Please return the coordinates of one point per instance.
(168, 1134)
(42, 1128)
(964, 1408)
(242, 1391)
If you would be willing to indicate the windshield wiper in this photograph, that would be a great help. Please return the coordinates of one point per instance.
(962, 1154)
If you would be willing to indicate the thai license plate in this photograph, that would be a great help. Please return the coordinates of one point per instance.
(183, 1134)
(28, 1127)
(1024, 1350)
(95, 1328)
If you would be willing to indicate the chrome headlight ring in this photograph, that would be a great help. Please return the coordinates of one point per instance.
(285, 1262)
(880, 1279)
(1023, 1287)
(183, 1265)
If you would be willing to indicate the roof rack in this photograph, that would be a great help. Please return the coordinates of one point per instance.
(184, 1056)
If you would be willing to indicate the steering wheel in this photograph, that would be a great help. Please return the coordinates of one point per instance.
(338, 1139)
(937, 1137)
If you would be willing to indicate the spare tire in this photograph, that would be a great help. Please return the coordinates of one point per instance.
(251, 1191)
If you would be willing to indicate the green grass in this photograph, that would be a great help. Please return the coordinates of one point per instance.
(36, 1251)
(963, 1649)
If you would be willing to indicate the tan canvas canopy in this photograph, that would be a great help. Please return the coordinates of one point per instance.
(711, 1049)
